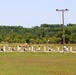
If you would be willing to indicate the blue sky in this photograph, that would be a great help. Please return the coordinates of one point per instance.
(28, 13)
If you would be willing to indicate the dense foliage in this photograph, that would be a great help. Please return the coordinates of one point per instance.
(46, 33)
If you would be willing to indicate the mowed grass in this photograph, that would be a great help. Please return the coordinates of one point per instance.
(37, 63)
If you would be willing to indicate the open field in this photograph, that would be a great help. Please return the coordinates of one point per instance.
(37, 63)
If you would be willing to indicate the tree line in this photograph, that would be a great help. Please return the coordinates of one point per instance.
(45, 33)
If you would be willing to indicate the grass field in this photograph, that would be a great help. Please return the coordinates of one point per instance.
(37, 63)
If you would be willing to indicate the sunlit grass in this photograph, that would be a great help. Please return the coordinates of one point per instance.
(29, 63)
